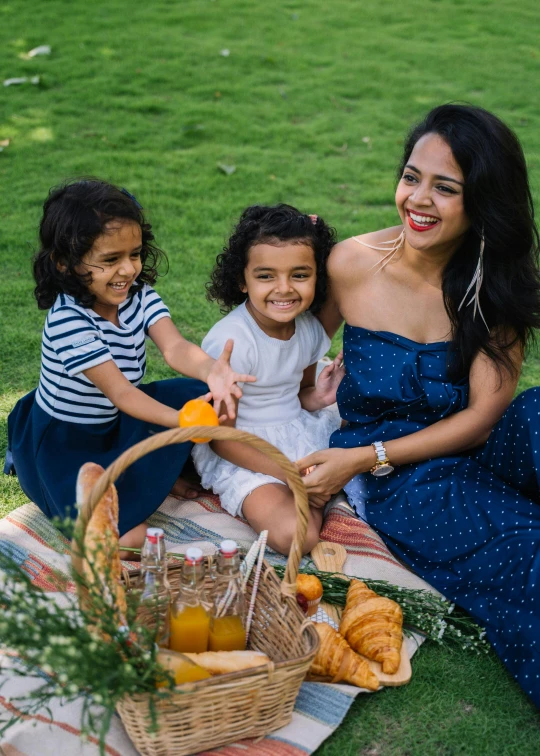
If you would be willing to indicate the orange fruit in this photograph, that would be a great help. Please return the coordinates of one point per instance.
(197, 412)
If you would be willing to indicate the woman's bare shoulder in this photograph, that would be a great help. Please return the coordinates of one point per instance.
(357, 253)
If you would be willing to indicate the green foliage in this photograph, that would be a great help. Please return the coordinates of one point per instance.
(78, 648)
(311, 107)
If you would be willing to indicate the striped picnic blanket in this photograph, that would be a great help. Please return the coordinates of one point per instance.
(320, 708)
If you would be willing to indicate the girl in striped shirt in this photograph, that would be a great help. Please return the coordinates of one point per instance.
(94, 273)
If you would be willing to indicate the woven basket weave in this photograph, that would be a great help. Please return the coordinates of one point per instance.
(209, 713)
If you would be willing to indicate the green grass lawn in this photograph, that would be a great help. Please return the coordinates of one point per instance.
(310, 105)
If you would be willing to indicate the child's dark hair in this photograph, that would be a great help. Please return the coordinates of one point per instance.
(260, 224)
(74, 215)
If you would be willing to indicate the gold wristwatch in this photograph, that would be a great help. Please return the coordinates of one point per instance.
(382, 466)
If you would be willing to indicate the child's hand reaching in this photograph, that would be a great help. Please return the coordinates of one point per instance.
(223, 382)
(329, 380)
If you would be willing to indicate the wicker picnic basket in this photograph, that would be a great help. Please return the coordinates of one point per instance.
(209, 713)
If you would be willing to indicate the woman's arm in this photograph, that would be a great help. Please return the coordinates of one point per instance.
(187, 358)
(128, 398)
(488, 399)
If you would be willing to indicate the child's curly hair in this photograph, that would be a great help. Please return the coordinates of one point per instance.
(74, 215)
(261, 224)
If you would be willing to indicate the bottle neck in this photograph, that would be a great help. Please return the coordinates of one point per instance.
(192, 576)
(228, 566)
(153, 555)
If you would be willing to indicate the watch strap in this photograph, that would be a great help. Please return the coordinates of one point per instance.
(380, 451)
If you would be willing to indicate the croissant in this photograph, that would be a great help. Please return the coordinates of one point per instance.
(372, 625)
(336, 659)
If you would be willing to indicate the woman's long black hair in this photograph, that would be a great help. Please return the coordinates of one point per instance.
(263, 224)
(498, 203)
(74, 215)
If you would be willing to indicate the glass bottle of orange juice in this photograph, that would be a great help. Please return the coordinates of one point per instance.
(227, 626)
(190, 611)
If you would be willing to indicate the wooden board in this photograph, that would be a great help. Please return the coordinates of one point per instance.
(330, 557)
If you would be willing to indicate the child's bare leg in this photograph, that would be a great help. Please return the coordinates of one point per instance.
(133, 539)
(271, 507)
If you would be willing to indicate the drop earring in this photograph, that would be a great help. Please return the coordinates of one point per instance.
(396, 243)
(476, 283)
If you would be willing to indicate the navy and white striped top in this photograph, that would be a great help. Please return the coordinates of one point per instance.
(76, 338)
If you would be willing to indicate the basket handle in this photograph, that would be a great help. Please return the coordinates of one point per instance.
(220, 433)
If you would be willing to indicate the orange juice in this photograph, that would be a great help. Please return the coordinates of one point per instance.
(227, 634)
(182, 668)
(189, 629)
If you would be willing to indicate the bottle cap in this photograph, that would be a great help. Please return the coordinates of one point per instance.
(228, 548)
(154, 534)
(194, 555)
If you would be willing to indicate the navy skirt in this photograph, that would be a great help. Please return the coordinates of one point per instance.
(46, 454)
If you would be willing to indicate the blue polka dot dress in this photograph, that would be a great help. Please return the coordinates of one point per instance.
(469, 524)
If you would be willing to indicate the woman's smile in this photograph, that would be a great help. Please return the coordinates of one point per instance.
(420, 221)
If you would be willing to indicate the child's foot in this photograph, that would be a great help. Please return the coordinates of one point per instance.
(185, 489)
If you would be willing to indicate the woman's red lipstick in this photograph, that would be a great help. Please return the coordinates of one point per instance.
(416, 227)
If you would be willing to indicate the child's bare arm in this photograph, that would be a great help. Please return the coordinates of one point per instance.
(189, 359)
(109, 379)
(245, 456)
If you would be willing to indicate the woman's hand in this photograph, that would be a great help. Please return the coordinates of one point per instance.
(222, 381)
(335, 468)
(329, 380)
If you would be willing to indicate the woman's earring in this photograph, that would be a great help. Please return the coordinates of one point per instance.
(476, 282)
(389, 251)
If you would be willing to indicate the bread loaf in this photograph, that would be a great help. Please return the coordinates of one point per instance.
(101, 564)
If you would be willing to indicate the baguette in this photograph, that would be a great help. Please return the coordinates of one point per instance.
(101, 564)
(222, 662)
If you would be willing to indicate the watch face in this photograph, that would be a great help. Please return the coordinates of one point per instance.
(383, 470)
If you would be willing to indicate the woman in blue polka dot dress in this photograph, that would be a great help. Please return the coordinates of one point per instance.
(439, 310)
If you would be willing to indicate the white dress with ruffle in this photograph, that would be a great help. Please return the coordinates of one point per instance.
(269, 408)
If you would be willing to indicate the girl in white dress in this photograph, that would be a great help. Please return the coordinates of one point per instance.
(273, 270)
